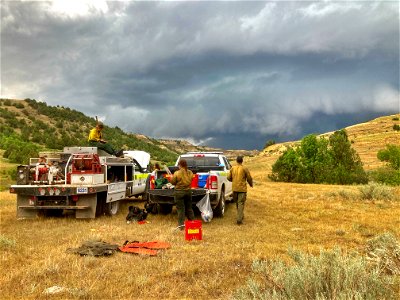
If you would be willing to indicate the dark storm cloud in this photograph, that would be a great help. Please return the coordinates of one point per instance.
(232, 74)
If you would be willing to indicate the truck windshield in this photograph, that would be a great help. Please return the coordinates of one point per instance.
(202, 161)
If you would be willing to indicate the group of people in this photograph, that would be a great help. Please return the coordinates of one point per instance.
(239, 175)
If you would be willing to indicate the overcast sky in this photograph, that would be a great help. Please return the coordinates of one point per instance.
(225, 74)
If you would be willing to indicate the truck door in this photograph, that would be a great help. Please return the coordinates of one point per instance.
(139, 179)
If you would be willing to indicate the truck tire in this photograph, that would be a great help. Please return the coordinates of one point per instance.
(111, 208)
(151, 207)
(219, 210)
(165, 209)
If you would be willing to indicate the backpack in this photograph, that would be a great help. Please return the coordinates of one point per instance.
(136, 214)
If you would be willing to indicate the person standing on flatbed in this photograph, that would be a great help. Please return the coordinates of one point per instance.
(96, 140)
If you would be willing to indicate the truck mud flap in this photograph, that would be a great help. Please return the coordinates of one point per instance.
(22, 210)
(90, 202)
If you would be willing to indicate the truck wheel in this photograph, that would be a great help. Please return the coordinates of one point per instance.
(165, 209)
(111, 208)
(219, 210)
(151, 207)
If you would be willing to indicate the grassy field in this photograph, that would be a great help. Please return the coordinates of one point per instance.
(278, 216)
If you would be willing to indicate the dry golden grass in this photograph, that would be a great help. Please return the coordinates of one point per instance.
(278, 216)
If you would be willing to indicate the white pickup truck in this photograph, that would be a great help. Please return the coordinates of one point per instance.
(210, 171)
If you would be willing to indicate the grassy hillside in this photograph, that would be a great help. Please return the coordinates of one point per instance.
(50, 127)
(53, 127)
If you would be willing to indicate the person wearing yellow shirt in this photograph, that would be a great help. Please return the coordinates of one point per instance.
(240, 176)
(96, 140)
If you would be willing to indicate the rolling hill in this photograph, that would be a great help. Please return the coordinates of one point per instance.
(54, 127)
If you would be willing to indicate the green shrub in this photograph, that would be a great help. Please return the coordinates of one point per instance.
(375, 191)
(286, 167)
(11, 172)
(60, 124)
(391, 155)
(19, 105)
(331, 275)
(320, 161)
(7, 102)
(16, 150)
(396, 127)
(386, 175)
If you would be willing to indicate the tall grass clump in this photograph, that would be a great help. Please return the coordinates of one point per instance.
(331, 275)
(376, 191)
(342, 193)
(6, 243)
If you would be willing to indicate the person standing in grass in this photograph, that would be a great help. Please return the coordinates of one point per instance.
(95, 139)
(239, 175)
(182, 180)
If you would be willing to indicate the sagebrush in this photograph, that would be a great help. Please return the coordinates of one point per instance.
(331, 275)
